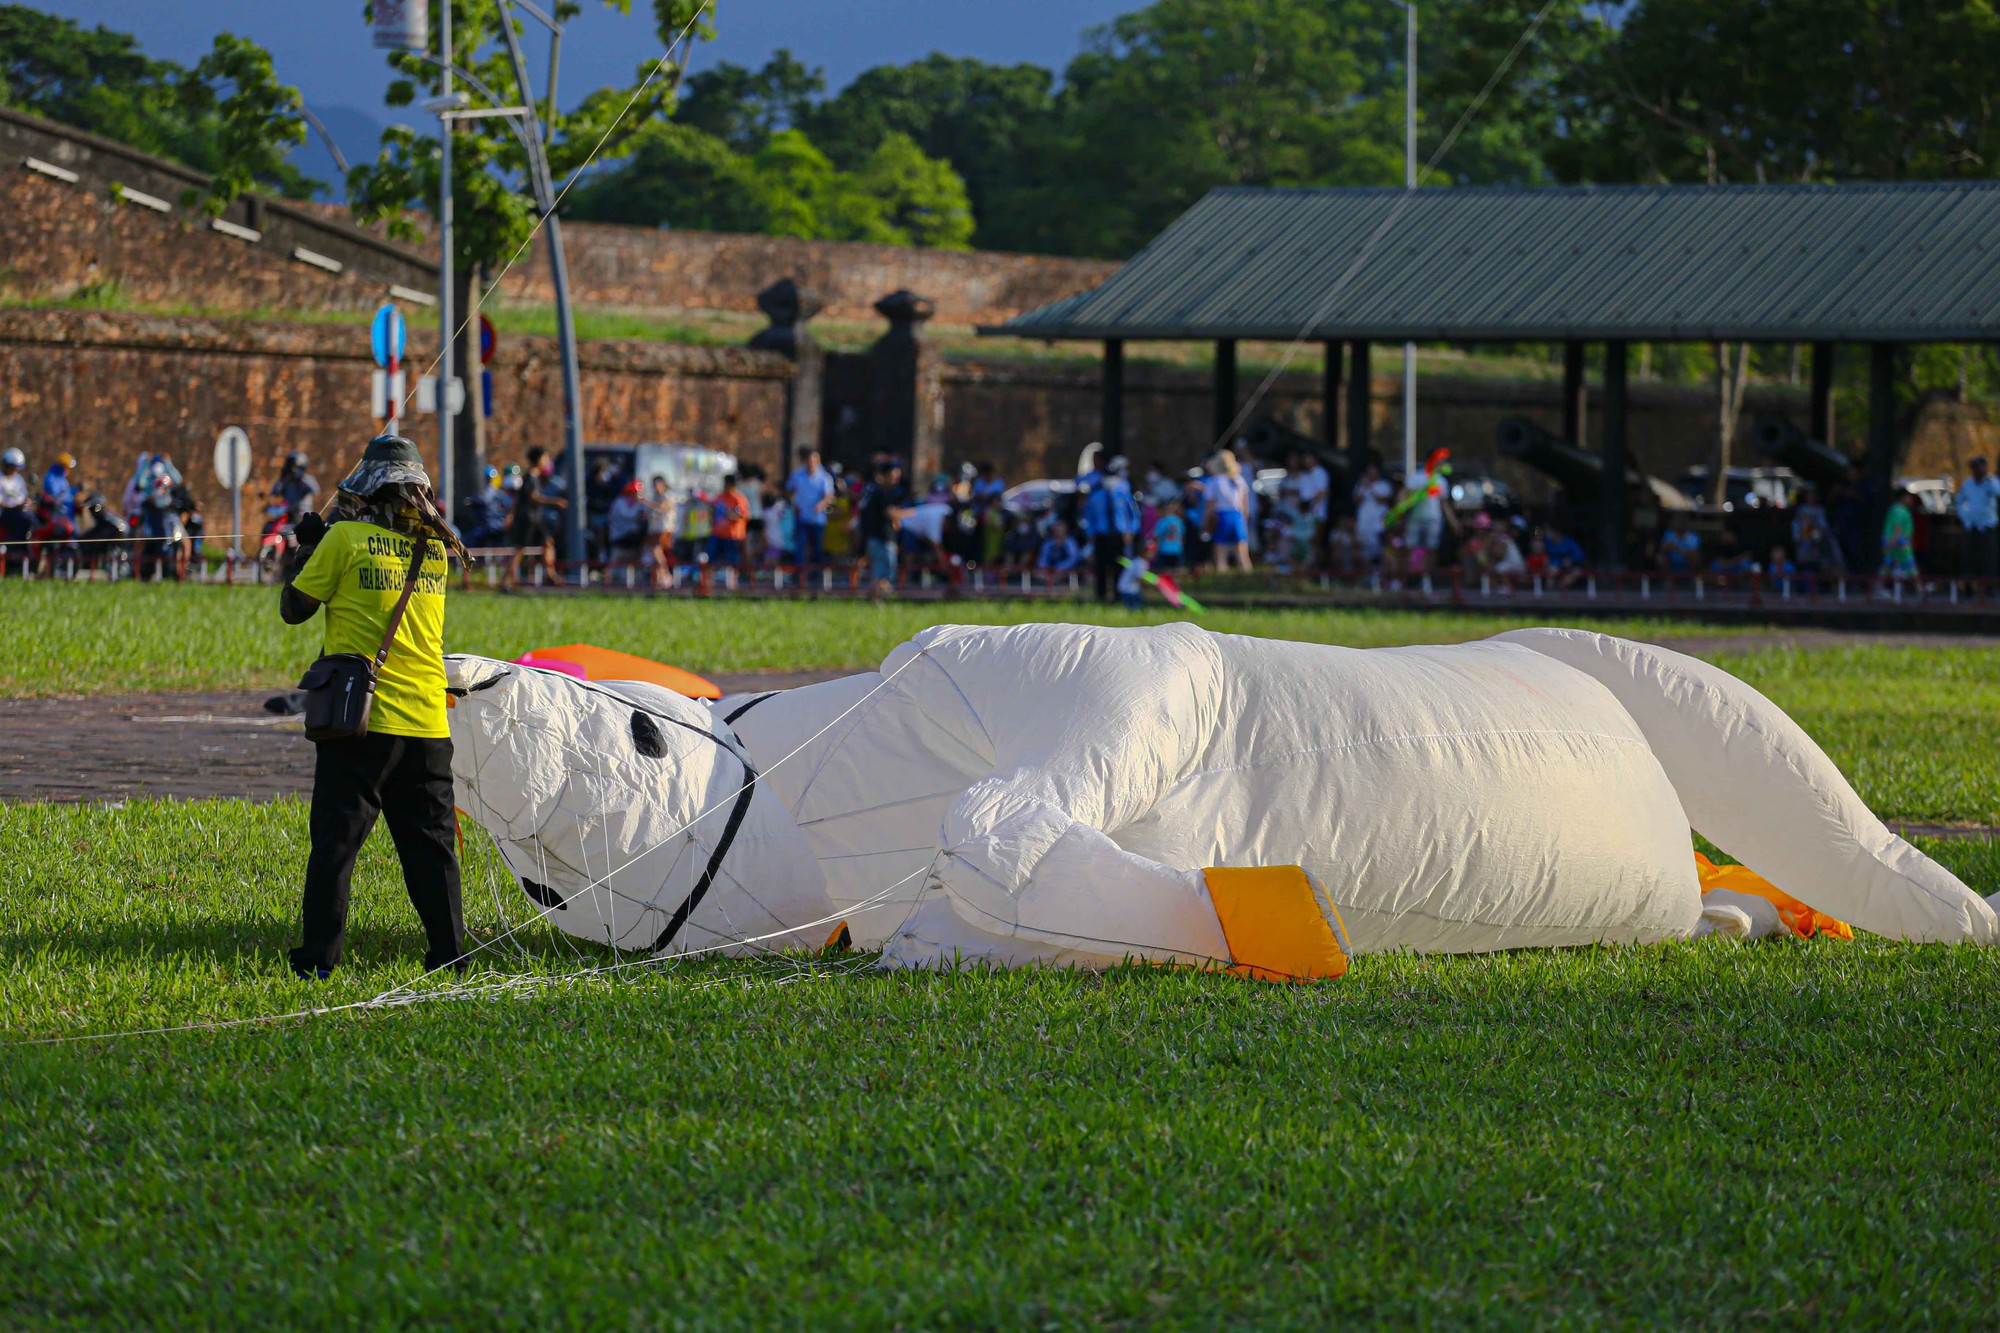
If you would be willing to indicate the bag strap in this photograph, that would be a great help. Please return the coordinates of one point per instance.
(419, 548)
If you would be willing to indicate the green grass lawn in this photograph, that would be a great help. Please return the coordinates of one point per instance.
(1687, 1135)
(90, 638)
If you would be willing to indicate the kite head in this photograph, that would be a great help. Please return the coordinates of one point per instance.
(629, 815)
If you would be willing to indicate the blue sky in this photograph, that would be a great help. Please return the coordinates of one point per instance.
(322, 46)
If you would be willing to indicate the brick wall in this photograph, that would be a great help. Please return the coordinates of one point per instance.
(647, 268)
(105, 385)
(69, 235)
(63, 237)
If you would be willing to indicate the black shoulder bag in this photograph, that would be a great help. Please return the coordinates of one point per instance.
(340, 687)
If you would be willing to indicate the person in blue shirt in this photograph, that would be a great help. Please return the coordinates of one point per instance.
(990, 486)
(1111, 521)
(1978, 507)
(1169, 536)
(59, 490)
(1680, 547)
(1566, 557)
(1060, 553)
(811, 490)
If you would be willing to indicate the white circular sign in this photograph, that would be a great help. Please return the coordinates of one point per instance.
(232, 456)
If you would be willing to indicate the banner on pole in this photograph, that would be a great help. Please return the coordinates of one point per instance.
(402, 25)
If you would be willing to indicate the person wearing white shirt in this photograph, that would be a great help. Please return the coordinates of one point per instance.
(1978, 506)
(16, 522)
(1313, 484)
(1371, 512)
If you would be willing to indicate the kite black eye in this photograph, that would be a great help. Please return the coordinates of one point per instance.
(544, 895)
(646, 737)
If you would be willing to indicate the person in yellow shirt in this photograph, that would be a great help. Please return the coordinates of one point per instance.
(352, 562)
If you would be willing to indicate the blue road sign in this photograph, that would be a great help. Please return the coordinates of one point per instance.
(387, 335)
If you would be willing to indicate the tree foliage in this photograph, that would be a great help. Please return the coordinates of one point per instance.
(495, 213)
(228, 116)
(679, 176)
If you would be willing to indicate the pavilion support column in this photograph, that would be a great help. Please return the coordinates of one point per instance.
(1225, 390)
(1360, 409)
(1822, 394)
(1111, 423)
(1576, 396)
(1878, 464)
(1330, 394)
(1613, 504)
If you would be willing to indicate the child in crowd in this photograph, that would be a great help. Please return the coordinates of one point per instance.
(1132, 582)
(1170, 535)
(1343, 547)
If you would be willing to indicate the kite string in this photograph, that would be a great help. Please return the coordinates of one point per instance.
(720, 804)
(404, 997)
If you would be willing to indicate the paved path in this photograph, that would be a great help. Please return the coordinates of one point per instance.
(223, 743)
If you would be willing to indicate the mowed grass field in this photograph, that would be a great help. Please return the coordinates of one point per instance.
(1795, 1134)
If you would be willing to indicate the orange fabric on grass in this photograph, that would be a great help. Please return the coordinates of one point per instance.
(1800, 919)
(609, 664)
(1273, 924)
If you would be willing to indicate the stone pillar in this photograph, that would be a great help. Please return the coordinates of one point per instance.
(789, 306)
(905, 389)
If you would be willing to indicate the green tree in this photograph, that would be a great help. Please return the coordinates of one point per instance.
(494, 210)
(921, 200)
(979, 118)
(675, 176)
(229, 116)
(744, 107)
(248, 122)
(1747, 90)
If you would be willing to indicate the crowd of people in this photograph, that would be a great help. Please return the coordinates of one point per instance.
(1107, 531)
(155, 526)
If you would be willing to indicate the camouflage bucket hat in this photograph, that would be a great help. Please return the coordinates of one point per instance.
(389, 459)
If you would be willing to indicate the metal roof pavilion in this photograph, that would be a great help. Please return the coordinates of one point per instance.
(1897, 263)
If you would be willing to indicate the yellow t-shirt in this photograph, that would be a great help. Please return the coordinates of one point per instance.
(357, 571)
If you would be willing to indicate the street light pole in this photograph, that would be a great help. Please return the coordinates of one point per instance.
(1410, 183)
(447, 286)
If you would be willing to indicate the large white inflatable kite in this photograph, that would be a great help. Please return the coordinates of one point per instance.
(1080, 795)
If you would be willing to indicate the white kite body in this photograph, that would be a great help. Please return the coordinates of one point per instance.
(1054, 793)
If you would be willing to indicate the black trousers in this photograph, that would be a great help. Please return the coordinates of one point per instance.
(1981, 558)
(1107, 549)
(409, 780)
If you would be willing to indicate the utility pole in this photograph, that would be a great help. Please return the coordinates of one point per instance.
(1409, 183)
(543, 185)
(447, 287)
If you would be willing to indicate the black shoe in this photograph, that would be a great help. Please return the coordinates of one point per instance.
(311, 973)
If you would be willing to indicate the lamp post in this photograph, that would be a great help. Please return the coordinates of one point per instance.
(447, 283)
(1409, 183)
